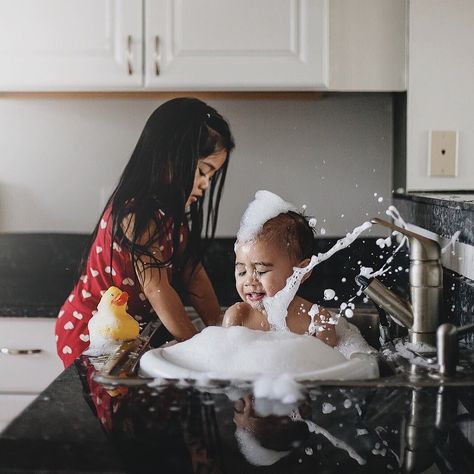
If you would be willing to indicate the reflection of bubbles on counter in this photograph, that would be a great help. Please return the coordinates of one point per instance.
(328, 408)
(379, 450)
(254, 452)
(281, 387)
(338, 443)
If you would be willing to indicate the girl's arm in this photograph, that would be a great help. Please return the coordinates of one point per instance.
(158, 290)
(202, 295)
(165, 301)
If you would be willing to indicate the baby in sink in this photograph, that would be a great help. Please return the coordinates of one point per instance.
(274, 239)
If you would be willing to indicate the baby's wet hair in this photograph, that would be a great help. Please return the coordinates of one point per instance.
(291, 230)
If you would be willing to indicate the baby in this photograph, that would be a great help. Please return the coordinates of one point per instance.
(262, 266)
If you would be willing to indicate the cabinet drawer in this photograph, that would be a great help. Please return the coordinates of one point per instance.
(28, 373)
(11, 406)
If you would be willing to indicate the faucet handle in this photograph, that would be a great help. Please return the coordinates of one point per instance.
(421, 248)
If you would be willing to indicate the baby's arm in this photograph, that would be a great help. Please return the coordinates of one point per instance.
(328, 332)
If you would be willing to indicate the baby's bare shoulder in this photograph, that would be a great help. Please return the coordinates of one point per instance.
(236, 314)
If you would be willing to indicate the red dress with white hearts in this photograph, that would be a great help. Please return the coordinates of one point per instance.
(72, 335)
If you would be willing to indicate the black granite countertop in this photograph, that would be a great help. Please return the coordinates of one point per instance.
(441, 213)
(462, 199)
(77, 426)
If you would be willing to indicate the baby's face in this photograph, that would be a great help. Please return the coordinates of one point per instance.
(261, 269)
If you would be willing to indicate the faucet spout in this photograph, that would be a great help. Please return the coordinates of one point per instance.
(399, 310)
(421, 316)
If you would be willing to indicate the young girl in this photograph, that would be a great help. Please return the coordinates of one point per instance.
(152, 225)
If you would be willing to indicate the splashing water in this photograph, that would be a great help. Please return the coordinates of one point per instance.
(382, 243)
(329, 294)
(277, 306)
(453, 240)
(369, 272)
(393, 212)
(313, 326)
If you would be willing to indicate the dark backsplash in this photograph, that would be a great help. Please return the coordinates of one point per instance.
(444, 217)
(441, 216)
(37, 271)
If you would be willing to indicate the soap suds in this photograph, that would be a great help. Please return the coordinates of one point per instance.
(281, 387)
(239, 353)
(264, 207)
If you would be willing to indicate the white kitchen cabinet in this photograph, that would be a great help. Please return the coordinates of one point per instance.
(229, 45)
(11, 405)
(54, 45)
(24, 376)
(207, 45)
(368, 45)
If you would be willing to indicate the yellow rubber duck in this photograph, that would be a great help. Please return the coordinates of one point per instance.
(112, 323)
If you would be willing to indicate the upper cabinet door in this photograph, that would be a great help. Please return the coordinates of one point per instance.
(368, 41)
(236, 45)
(70, 45)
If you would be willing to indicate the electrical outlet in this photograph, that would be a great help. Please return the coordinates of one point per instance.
(443, 153)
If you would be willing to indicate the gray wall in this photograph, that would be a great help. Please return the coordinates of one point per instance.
(441, 96)
(61, 157)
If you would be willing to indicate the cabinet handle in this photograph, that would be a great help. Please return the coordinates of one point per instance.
(157, 55)
(130, 55)
(7, 351)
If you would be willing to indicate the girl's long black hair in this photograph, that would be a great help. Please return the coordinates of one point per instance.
(160, 176)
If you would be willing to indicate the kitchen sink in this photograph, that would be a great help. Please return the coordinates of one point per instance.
(398, 366)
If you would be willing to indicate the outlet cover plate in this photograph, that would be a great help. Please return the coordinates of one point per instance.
(443, 153)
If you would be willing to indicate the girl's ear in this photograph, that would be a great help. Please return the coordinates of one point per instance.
(302, 264)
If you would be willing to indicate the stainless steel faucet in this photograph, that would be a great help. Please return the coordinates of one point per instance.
(421, 315)
(448, 348)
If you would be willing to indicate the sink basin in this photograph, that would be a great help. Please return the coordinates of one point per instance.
(367, 321)
(239, 353)
(395, 369)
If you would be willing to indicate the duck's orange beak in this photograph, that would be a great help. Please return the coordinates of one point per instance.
(121, 299)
